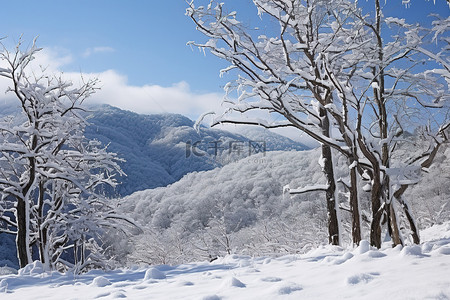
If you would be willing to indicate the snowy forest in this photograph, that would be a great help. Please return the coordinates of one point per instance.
(88, 188)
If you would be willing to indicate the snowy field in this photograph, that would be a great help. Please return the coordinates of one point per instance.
(414, 272)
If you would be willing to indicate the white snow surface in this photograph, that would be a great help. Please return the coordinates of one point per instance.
(330, 272)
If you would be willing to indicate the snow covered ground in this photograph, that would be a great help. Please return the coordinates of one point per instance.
(414, 272)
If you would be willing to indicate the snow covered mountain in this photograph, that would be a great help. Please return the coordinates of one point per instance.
(241, 205)
(240, 188)
(160, 149)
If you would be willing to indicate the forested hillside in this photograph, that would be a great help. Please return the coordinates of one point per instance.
(240, 208)
(154, 147)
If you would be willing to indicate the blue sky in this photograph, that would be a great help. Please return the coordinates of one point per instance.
(144, 40)
(141, 45)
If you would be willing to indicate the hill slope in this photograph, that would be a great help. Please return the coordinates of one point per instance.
(241, 208)
(159, 149)
(156, 147)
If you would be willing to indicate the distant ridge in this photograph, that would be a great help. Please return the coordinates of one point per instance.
(159, 149)
(156, 146)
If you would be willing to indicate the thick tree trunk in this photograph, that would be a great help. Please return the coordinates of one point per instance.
(376, 192)
(22, 234)
(330, 194)
(23, 213)
(333, 223)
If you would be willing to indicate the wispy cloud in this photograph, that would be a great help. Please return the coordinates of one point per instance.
(95, 50)
(52, 58)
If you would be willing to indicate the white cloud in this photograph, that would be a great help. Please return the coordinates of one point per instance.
(115, 89)
(148, 99)
(95, 50)
(52, 59)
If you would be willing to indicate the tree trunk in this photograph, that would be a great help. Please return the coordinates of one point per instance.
(393, 225)
(330, 194)
(41, 231)
(333, 223)
(22, 245)
(377, 210)
(354, 206)
(23, 212)
(412, 224)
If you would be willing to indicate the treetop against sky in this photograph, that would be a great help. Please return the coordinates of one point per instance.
(138, 49)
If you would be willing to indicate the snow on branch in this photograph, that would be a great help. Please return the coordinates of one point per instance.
(306, 189)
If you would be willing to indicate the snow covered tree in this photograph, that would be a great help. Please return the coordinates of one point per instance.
(398, 84)
(289, 75)
(341, 77)
(51, 177)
